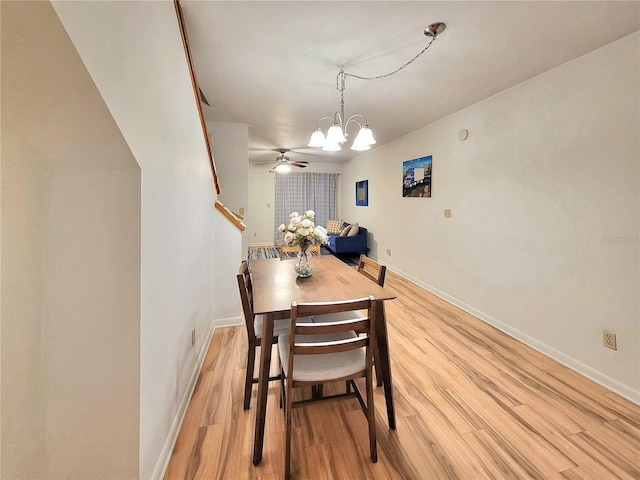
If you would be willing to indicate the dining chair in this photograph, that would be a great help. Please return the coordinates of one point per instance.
(374, 272)
(319, 353)
(285, 250)
(253, 324)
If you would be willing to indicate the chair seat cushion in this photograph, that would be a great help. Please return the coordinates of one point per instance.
(322, 368)
(279, 326)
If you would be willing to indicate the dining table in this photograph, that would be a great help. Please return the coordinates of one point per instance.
(276, 285)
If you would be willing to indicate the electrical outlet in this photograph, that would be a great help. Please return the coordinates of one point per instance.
(609, 340)
(389, 251)
(255, 234)
(193, 337)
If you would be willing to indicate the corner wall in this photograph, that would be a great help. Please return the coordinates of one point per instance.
(70, 206)
(544, 236)
(142, 74)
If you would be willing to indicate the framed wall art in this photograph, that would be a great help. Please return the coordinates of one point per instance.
(416, 177)
(362, 193)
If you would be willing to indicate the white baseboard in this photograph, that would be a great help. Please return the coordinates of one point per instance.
(170, 442)
(575, 365)
(228, 322)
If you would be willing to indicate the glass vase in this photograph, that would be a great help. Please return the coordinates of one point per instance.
(303, 267)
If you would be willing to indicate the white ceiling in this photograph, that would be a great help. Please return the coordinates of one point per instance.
(273, 65)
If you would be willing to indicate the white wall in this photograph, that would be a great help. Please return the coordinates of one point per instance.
(230, 147)
(134, 54)
(543, 239)
(229, 254)
(260, 219)
(70, 263)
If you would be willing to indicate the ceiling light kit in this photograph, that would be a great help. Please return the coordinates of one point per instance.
(337, 133)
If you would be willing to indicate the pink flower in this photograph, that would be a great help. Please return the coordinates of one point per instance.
(294, 214)
(295, 220)
(288, 237)
(281, 228)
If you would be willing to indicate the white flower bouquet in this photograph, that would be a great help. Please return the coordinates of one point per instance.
(302, 232)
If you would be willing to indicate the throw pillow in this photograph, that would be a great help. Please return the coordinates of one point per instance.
(334, 227)
(345, 231)
(353, 231)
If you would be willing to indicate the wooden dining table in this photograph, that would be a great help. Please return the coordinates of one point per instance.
(276, 285)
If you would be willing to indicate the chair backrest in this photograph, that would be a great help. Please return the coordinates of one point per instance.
(285, 249)
(363, 325)
(372, 270)
(246, 297)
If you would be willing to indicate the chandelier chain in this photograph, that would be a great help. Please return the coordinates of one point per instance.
(342, 75)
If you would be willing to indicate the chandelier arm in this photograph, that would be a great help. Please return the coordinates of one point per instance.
(352, 118)
(322, 118)
(378, 77)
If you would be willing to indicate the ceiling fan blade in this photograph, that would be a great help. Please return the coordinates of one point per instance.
(299, 165)
(301, 161)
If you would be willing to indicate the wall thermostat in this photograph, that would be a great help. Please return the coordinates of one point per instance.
(463, 134)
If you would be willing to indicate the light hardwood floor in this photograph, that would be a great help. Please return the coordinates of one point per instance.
(471, 403)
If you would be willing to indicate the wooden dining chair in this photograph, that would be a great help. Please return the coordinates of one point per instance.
(253, 324)
(318, 353)
(284, 250)
(372, 270)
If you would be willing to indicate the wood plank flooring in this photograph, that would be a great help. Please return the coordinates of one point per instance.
(471, 403)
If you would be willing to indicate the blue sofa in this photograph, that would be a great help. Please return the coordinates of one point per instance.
(355, 244)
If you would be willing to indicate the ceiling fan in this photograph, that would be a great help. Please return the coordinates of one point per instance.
(284, 163)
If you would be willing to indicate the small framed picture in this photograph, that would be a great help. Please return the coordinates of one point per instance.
(362, 193)
(416, 177)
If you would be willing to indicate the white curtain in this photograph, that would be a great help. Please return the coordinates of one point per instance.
(302, 191)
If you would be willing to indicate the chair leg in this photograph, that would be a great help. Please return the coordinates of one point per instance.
(317, 391)
(287, 448)
(248, 381)
(282, 392)
(371, 418)
(376, 362)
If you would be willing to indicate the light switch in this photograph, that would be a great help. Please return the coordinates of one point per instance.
(447, 213)
(268, 205)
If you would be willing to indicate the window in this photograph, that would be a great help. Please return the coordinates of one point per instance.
(299, 192)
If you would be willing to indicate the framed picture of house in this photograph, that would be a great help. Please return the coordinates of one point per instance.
(416, 177)
(362, 193)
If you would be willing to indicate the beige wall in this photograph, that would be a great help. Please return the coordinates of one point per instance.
(543, 239)
(70, 263)
(22, 402)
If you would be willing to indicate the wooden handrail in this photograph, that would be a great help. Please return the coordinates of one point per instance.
(196, 91)
(235, 218)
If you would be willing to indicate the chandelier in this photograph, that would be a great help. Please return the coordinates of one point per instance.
(337, 132)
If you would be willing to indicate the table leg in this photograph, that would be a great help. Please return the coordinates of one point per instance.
(384, 368)
(263, 387)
